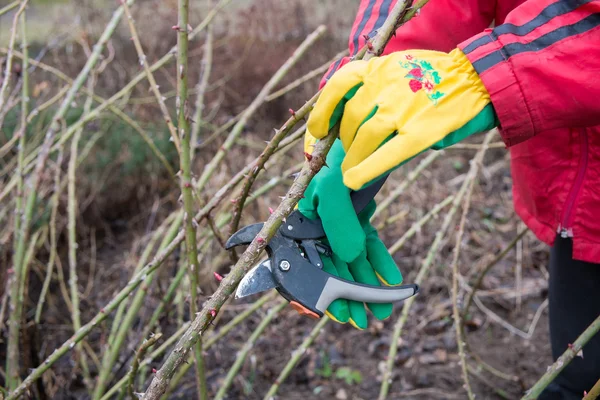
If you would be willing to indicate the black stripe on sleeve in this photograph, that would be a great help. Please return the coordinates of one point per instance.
(383, 14)
(554, 10)
(361, 25)
(586, 24)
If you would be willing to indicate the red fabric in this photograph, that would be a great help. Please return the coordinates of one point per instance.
(541, 65)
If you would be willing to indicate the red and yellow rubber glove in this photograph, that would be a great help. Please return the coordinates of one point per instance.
(394, 107)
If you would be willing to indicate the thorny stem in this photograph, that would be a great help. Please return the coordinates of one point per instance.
(459, 236)
(264, 157)
(209, 342)
(570, 353)
(256, 103)
(34, 182)
(488, 267)
(136, 362)
(411, 176)
(186, 182)
(16, 299)
(153, 85)
(247, 260)
(53, 240)
(423, 271)
(594, 392)
(132, 311)
(117, 96)
(243, 353)
(112, 108)
(72, 236)
(6, 78)
(308, 76)
(9, 7)
(201, 88)
(101, 316)
(296, 355)
(417, 226)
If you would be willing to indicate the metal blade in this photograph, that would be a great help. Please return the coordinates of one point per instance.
(244, 236)
(257, 280)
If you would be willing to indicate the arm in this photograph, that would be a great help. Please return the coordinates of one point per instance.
(541, 67)
(440, 25)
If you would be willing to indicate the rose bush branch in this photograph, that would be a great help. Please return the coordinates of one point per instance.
(572, 351)
(423, 271)
(256, 103)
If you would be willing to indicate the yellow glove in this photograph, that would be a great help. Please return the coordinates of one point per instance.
(394, 107)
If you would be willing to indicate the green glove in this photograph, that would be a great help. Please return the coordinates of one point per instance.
(358, 253)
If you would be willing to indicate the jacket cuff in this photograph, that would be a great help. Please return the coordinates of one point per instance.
(506, 94)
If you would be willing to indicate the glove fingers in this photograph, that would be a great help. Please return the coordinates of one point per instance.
(340, 222)
(338, 309)
(358, 314)
(375, 131)
(382, 262)
(357, 111)
(330, 104)
(363, 272)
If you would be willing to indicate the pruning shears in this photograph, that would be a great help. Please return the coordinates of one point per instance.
(294, 266)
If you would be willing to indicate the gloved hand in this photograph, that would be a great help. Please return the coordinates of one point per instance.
(394, 107)
(358, 253)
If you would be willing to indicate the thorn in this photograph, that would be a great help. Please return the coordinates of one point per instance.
(233, 201)
(308, 156)
(175, 28)
(271, 210)
(325, 164)
(370, 46)
(218, 277)
(366, 37)
(154, 370)
(181, 74)
(187, 185)
(213, 312)
(292, 112)
(260, 240)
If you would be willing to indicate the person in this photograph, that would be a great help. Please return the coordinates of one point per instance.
(528, 67)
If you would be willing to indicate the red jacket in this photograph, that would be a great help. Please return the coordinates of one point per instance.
(541, 66)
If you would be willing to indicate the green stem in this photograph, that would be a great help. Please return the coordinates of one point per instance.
(136, 363)
(16, 303)
(132, 311)
(256, 103)
(570, 353)
(488, 267)
(202, 86)
(386, 379)
(594, 392)
(243, 353)
(9, 7)
(476, 163)
(296, 355)
(153, 85)
(72, 239)
(186, 182)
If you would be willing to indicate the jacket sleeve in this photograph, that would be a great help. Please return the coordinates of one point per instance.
(541, 67)
(440, 25)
